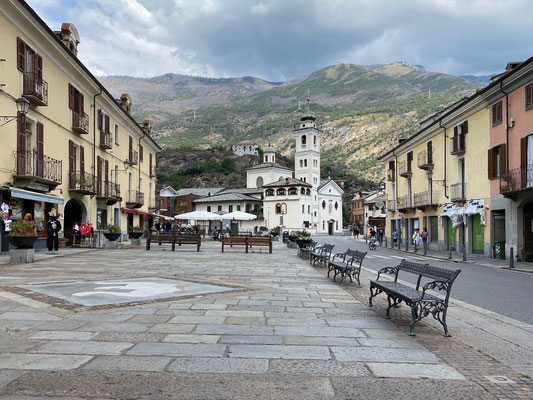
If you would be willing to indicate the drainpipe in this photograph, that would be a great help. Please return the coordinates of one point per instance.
(506, 126)
(94, 129)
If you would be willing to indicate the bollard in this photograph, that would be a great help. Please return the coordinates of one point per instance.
(449, 252)
(511, 258)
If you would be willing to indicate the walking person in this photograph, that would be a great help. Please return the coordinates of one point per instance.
(424, 235)
(52, 240)
(357, 232)
(416, 239)
(380, 236)
(394, 239)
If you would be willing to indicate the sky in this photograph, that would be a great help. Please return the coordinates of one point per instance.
(279, 40)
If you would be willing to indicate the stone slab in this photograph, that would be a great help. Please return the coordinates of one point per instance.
(395, 343)
(197, 319)
(245, 321)
(295, 322)
(249, 339)
(178, 350)
(319, 368)
(404, 370)
(83, 347)
(321, 341)
(132, 337)
(29, 316)
(184, 338)
(234, 330)
(276, 351)
(42, 361)
(115, 327)
(128, 363)
(63, 335)
(220, 365)
(172, 328)
(362, 323)
(149, 319)
(318, 331)
(384, 355)
(7, 376)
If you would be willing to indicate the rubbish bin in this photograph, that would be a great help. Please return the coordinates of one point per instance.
(499, 250)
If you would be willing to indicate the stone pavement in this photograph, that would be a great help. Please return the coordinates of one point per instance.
(283, 331)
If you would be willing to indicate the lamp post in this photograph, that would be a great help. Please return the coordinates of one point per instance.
(23, 105)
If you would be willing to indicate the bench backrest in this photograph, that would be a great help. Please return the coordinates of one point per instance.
(259, 239)
(326, 249)
(234, 239)
(311, 245)
(355, 256)
(195, 238)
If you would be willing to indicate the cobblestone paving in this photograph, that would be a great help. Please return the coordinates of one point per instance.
(289, 332)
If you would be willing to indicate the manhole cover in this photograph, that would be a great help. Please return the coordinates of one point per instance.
(118, 291)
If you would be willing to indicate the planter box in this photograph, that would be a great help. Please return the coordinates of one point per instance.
(111, 236)
(302, 242)
(135, 234)
(23, 242)
(61, 245)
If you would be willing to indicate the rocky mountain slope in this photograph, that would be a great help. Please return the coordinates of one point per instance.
(362, 110)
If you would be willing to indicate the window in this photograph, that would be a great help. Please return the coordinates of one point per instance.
(266, 158)
(323, 204)
(75, 99)
(304, 140)
(308, 192)
(219, 208)
(238, 205)
(336, 205)
(293, 191)
(497, 113)
(278, 208)
(259, 182)
(497, 161)
(208, 208)
(308, 209)
(301, 163)
(314, 140)
(529, 96)
(281, 208)
(302, 191)
(303, 209)
(305, 162)
(141, 153)
(230, 208)
(281, 192)
(269, 192)
(116, 135)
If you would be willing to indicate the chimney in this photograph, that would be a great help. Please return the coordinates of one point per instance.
(287, 180)
(70, 37)
(125, 102)
(147, 127)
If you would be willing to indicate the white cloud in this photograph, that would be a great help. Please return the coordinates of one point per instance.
(279, 39)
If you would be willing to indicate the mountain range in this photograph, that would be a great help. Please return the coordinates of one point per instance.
(362, 110)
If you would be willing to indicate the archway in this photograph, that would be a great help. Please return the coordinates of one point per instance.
(74, 212)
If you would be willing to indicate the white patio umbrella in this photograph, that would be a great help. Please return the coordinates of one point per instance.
(200, 216)
(239, 216)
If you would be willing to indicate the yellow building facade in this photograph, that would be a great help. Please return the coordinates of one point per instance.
(437, 180)
(77, 151)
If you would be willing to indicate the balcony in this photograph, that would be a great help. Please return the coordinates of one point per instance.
(458, 192)
(153, 204)
(425, 199)
(404, 203)
(134, 158)
(32, 168)
(35, 89)
(135, 199)
(82, 182)
(391, 177)
(404, 169)
(108, 191)
(516, 180)
(425, 160)
(391, 205)
(458, 145)
(152, 172)
(80, 123)
(106, 140)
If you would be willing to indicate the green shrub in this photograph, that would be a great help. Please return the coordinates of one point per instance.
(22, 228)
(136, 228)
(301, 234)
(263, 228)
(112, 228)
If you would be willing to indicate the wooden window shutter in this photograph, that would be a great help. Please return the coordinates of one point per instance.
(455, 131)
(38, 67)
(106, 177)
(82, 161)
(21, 54)
(40, 149)
(150, 164)
(430, 152)
(99, 174)
(490, 159)
(523, 161)
(100, 117)
(131, 148)
(503, 159)
(391, 165)
(465, 127)
(80, 104)
(21, 144)
(107, 123)
(529, 96)
(71, 97)
(71, 166)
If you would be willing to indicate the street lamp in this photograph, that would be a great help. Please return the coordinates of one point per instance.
(23, 105)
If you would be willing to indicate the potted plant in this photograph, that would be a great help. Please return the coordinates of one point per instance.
(22, 235)
(275, 231)
(303, 237)
(112, 232)
(135, 232)
(62, 242)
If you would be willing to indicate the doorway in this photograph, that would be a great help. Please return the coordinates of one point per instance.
(74, 213)
(130, 222)
(528, 232)
(330, 227)
(478, 237)
(452, 236)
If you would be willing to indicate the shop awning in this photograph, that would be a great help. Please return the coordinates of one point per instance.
(133, 211)
(36, 196)
(162, 216)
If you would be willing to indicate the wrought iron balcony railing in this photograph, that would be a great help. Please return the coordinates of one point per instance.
(517, 179)
(458, 192)
(35, 89)
(391, 205)
(404, 169)
(426, 198)
(391, 175)
(106, 140)
(135, 198)
(133, 158)
(80, 122)
(404, 202)
(425, 160)
(41, 168)
(82, 182)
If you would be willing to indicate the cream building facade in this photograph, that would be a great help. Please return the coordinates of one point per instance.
(77, 151)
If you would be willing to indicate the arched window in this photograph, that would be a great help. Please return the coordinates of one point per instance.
(302, 190)
(305, 162)
(280, 178)
(269, 192)
(259, 182)
(293, 191)
(281, 208)
(278, 208)
(304, 139)
(281, 192)
(336, 205)
(301, 163)
(266, 158)
(324, 204)
(314, 140)
(308, 192)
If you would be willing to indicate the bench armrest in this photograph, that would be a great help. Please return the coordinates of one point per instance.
(438, 285)
(340, 255)
(387, 270)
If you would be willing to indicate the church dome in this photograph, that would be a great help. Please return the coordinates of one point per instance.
(269, 149)
(308, 117)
